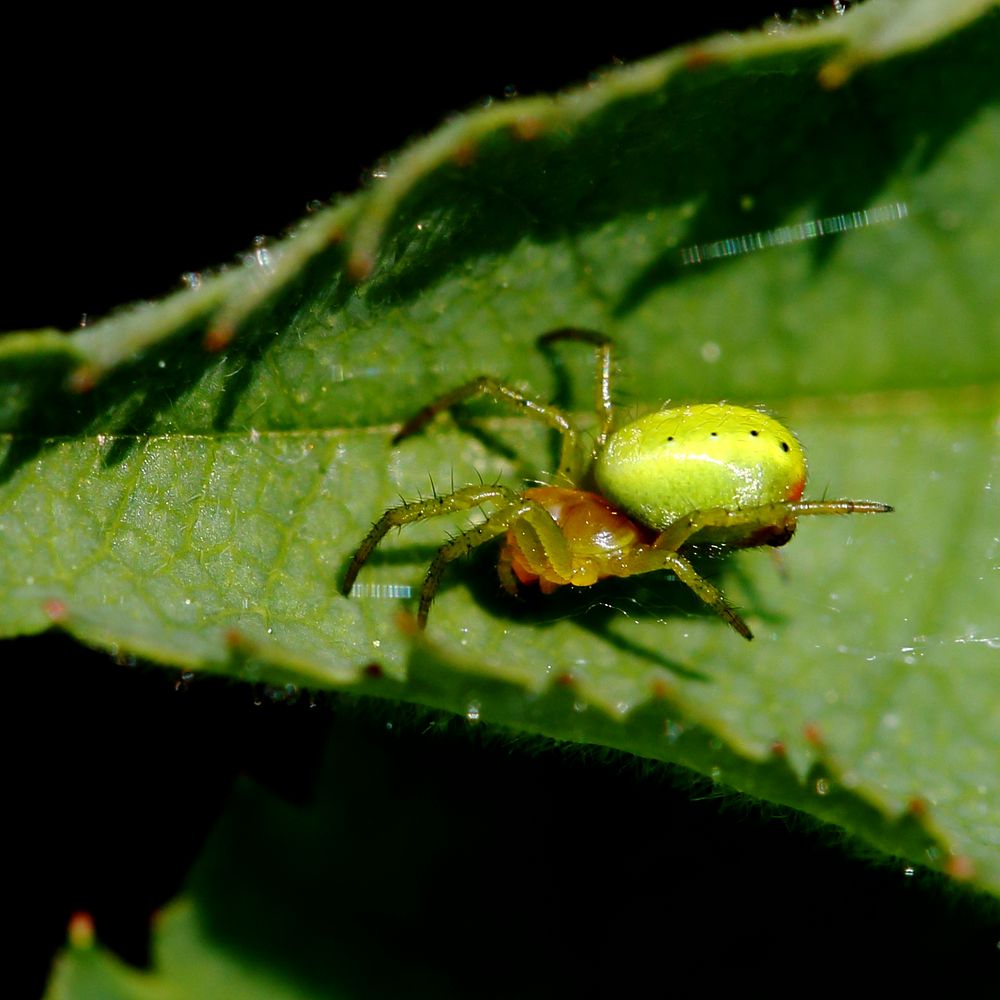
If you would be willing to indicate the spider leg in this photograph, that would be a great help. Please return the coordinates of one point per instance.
(781, 514)
(408, 513)
(801, 507)
(645, 559)
(603, 382)
(550, 541)
(505, 570)
(571, 460)
(711, 595)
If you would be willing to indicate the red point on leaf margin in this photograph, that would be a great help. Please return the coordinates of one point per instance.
(407, 624)
(464, 154)
(218, 337)
(360, 265)
(813, 734)
(660, 689)
(83, 379)
(527, 128)
(695, 59)
(960, 867)
(55, 610)
(80, 930)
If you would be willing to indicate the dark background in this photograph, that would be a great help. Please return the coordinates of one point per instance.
(135, 153)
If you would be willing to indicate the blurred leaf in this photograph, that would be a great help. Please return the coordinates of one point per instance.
(212, 461)
(436, 858)
(190, 963)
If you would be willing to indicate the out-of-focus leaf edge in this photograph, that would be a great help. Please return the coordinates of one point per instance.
(222, 302)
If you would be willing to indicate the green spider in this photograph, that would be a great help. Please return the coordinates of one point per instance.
(638, 500)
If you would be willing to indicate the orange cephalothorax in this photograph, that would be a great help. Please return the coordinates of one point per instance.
(596, 535)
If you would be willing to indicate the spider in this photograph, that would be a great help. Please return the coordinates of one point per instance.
(640, 499)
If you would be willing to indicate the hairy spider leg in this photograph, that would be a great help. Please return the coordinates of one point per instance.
(776, 520)
(419, 510)
(520, 512)
(571, 461)
(779, 516)
(574, 463)
(605, 410)
(646, 558)
(711, 595)
(510, 508)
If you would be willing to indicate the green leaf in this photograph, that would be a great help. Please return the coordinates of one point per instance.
(803, 220)
(190, 963)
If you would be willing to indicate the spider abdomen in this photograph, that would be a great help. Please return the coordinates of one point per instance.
(667, 464)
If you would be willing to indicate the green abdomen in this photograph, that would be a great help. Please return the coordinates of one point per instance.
(668, 464)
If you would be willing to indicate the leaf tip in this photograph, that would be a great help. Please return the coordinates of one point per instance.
(814, 735)
(218, 336)
(360, 265)
(659, 689)
(960, 867)
(236, 641)
(463, 154)
(83, 378)
(80, 930)
(408, 624)
(835, 73)
(696, 58)
(55, 610)
(527, 127)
